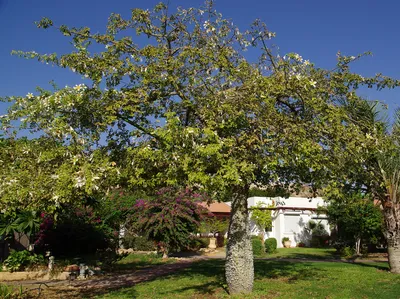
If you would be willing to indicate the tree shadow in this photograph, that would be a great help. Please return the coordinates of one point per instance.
(207, 277)
(289, 271)
(381, 266)
(210, 275)
(312, 256)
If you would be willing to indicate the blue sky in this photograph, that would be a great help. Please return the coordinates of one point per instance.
(313, 28)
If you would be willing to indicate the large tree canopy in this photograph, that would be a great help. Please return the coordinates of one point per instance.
(188, 106)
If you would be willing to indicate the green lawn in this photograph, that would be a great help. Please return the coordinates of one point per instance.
(275, 279)
(305, 253)
(140, 261)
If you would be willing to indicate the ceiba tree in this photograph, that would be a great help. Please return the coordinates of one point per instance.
(187, 106)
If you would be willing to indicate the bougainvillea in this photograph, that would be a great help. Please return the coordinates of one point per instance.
(170, 218)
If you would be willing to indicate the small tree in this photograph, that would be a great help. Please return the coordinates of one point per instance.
(356, 219)
(214, 225)
(262, 216)
(171, 218)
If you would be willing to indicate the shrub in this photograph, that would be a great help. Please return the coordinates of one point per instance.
(76, 232)
(301, 244)
(257, 246)
(198, 243)
(270, 245)
(319, 241)
(204, 242)
(170, 218)
(19, 260)
(138, 243)
(347, 252)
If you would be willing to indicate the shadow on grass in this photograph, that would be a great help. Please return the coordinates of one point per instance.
(285, 270)
(382, 266)
(207, 278)
(327, 255)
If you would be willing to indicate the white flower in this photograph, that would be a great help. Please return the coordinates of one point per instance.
(307, 62)
(297, 57)
(313, 83)
(29, 95)
(107, 46)
(79, 87)
(80, 182)
(73, 70)
(201, 12)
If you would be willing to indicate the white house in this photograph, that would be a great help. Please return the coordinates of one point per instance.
(290, 217)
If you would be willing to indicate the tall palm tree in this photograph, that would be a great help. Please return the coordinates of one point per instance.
(378, 168)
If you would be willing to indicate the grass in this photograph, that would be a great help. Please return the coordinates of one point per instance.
(305, 253)
(274, 279)
(140, 261)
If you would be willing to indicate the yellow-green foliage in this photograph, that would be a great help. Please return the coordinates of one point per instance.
(262, 215)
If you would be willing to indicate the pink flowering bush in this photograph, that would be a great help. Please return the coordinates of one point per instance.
(170, 218)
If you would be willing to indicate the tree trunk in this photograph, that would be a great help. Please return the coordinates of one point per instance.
(239, 267)
(358, 245)
(392, 232)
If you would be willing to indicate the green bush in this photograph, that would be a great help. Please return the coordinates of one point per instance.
(347, 252)
(138, 243)
(270, 245)
(204, 242)
(257, 246)
(319, 241)
(19, 260)
(198, 243)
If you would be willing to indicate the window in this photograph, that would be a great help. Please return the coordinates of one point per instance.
(292, 223)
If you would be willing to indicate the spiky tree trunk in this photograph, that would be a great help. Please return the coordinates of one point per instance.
(392, 232)
(239, 266)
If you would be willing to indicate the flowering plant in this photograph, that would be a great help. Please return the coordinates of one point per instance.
(170, 218)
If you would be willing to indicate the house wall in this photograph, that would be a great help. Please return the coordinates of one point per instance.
(290, 223)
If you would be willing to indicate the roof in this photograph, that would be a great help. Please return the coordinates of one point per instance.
(217, 207)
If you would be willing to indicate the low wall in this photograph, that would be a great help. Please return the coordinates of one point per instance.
(33, 275)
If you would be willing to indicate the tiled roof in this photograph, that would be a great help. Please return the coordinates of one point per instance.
(217, 207)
